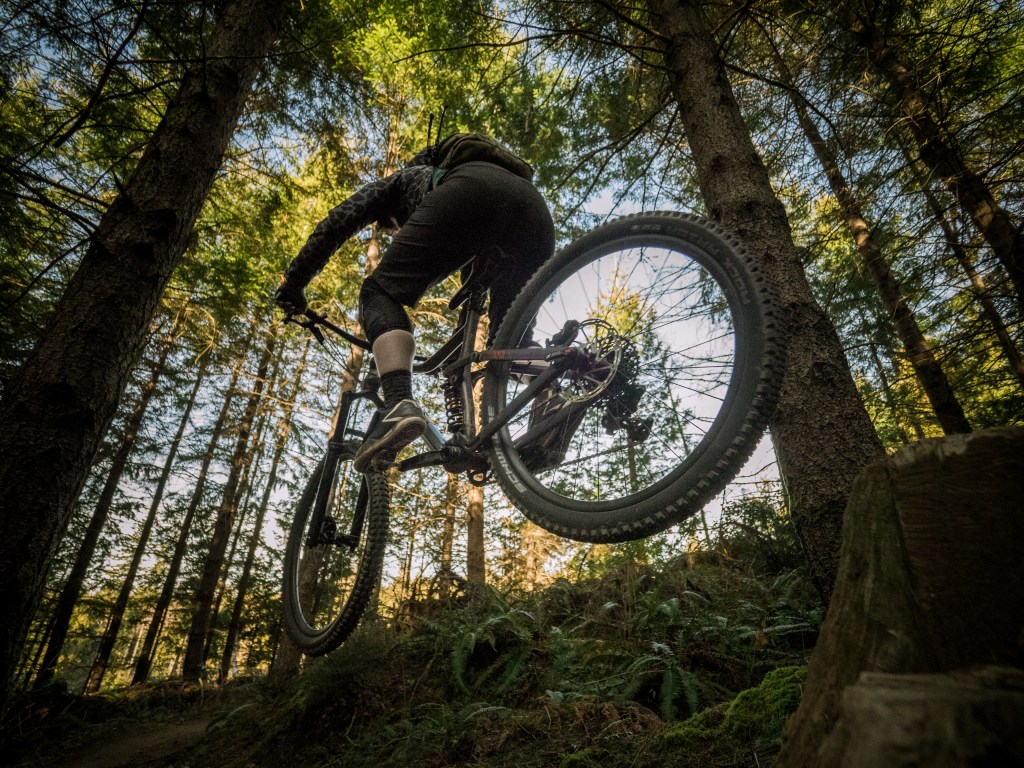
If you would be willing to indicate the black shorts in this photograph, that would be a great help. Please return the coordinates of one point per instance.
(476, 208)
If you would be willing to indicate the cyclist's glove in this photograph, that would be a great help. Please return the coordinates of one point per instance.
(291, 298)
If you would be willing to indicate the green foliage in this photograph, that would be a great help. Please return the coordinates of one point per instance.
(492, 656)
(571, 675)
(757, 531)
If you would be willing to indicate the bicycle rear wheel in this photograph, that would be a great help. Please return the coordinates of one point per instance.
(331, 565)
(677, 350)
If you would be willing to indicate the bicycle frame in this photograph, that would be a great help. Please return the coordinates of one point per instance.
(454, 360)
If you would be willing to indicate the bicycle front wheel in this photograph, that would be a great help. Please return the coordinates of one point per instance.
(335, 552)
(677, 350)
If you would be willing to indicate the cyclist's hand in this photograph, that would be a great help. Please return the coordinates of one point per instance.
(291, 298)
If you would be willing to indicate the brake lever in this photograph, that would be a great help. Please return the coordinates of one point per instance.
(316, 322)
(311, 324)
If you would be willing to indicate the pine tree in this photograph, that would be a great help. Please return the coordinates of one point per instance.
(98, 328)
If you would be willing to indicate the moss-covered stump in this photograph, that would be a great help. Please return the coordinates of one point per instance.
(930, 582)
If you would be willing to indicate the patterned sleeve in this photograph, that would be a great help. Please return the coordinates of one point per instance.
(374, 202)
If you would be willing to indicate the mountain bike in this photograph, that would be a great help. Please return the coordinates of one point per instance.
(627, 384)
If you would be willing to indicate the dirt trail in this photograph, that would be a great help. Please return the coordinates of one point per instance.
(123, 744)
(137, 745)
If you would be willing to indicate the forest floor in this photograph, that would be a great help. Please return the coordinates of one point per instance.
(131, 745)
(690, 665)
(146, 736)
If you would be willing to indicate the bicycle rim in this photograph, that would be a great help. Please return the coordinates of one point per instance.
(685, 357)
(328, 583)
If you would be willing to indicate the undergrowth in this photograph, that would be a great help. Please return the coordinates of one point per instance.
(698, 664)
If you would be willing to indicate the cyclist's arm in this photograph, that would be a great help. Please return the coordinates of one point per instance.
(371, 203)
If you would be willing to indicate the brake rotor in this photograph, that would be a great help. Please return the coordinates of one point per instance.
(603, 345)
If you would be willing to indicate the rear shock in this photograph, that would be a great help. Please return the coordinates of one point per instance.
(453, 404)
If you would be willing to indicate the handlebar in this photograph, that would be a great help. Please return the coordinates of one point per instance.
(313, 323)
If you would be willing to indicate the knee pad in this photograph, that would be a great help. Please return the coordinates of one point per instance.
(378, 312)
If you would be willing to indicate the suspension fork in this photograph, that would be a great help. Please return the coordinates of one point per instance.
(321, 530)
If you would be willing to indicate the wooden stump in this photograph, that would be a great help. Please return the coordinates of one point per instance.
(940, 720)
(931, 581)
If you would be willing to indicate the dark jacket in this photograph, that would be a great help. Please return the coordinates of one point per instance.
(389, 202)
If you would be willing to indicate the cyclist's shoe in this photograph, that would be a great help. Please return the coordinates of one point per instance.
(549, 448)
(395, 430)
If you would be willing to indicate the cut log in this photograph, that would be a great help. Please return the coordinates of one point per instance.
(930, 581)
(942, 720)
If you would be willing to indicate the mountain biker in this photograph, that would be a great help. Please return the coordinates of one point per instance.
(475, 214)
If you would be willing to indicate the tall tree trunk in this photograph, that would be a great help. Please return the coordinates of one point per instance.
(476, 559)
(822, 433)
(202, 604)
(284, 428)
(929, 373)
(938, 150)
(73, 586)
(452, 494)
(980, 289)
(241, 504)
(106, 647)
(163, 601)
(58, 407)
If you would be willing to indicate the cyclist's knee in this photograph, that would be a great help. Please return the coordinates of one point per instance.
(379, 312)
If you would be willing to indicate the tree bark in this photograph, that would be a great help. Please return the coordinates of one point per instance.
(476, 561)
(202, 603)
(932, 378)
(822, 433)
(476, 557)
(145, 658)
(73, 586)
(60, 403)
(930, 581)
(106, 646)
(980, 289)
(966, 719)
(452, 493)
(242, 506)
(938, 150)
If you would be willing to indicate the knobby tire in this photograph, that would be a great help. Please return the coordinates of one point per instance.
(705, 339)
(347, 581)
